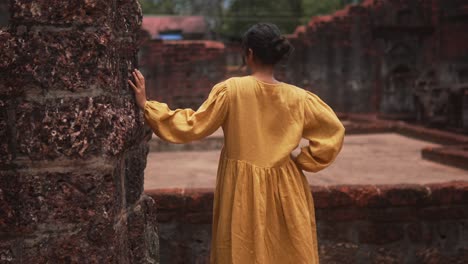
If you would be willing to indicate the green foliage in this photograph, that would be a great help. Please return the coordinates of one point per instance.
(287, 14)
(159, 7)
(243, 13)
(238, 15)
(181, 7)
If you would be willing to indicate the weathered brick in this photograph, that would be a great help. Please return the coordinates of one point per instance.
(143, 232)
(454, 192)
(55, 199)
(73, 143)
(182, 73)
(135, 164)
(73, 127)
(392, 231)
(380, 233)
(419, 232)
(56, 12)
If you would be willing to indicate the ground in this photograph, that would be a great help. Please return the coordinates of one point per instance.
(387, 158)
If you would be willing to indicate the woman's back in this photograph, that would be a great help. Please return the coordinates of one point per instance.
(263, 210)
(264, 122)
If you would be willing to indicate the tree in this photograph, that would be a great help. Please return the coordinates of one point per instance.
(166, 7)
(286, 14)
(210, 8)
(231, 18)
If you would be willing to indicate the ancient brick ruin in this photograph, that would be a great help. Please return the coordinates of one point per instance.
(405, 223)
(182, 73)
(404, 59)
(382, 57)
(73, 143)
(357, 223)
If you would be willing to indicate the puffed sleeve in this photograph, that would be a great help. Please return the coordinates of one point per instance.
(185, 125)
(325, 133)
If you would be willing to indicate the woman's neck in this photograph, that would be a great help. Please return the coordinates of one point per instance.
(264, 73)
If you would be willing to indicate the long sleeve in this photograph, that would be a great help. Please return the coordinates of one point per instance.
(325, 133)
(185, 125)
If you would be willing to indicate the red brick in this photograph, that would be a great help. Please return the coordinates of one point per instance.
(419, 232)
(403, 194)
(380, 233)
(454, 192)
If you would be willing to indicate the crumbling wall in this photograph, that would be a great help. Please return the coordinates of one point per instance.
(398, 58)
(73, 142)
(335, 58)
(405, 223)
(182, 73)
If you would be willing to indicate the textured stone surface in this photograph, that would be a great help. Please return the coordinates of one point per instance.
(404, 59)
(455, 155)
(424, 223)
(73, 142)
(182, 73)
(143, 231)
(57, 198)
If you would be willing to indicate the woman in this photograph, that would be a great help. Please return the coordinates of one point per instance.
(263, 208)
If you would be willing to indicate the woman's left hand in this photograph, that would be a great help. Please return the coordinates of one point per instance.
(139, 88)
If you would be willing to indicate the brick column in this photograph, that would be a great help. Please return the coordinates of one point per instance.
(73, 144)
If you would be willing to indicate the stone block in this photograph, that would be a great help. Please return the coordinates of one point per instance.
(341, 252)
(34, 201)
(72, 141)
(42, 61)
(403, 195)
(419, 232)
(62, 245)
(143, 232)
(379, 233)
(63, 13)
(135, 164)
(454, 192)
(344, 214)
(74, 127)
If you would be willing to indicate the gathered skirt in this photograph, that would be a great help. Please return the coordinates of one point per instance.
(262, 215)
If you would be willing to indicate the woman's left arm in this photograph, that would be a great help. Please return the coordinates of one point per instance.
(325, 133)
(185, 125)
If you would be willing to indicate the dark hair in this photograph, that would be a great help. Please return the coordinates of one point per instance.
(267, 43)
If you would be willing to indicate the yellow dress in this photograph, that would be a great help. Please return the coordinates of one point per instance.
(263, 210)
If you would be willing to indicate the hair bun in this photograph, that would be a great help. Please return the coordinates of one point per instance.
(281, 48)
(267, 43)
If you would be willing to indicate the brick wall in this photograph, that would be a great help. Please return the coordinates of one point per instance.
(356, 223)
(182, 73)
(73, 145)
(368, 57)
(4, 13)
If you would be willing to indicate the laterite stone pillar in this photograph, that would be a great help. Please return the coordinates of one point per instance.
(73, 143)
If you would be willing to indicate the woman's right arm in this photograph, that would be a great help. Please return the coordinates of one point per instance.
(325, 133)
(182, 125)
(186, 125)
